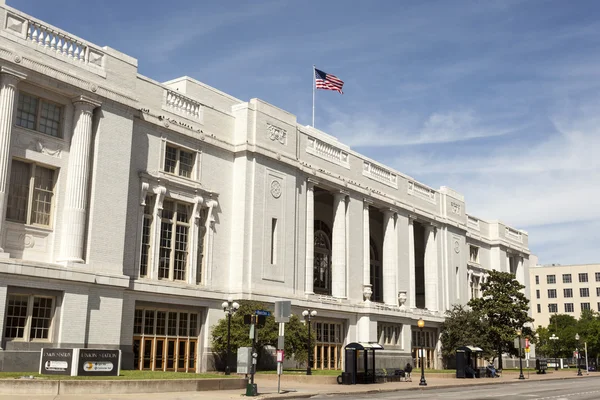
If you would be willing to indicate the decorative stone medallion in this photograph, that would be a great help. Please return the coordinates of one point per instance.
(456, 246)
(276, 133)
(275, 189)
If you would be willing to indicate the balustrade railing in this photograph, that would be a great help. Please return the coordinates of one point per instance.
(327, 152)
(60, 43)
(380, 174)
(182, 105)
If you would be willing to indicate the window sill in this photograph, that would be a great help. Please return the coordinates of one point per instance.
(33, 132)
(31, 228)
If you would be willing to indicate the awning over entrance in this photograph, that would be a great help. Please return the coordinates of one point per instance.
(470, 349)
(364, 346)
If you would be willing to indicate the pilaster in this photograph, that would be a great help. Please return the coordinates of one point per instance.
(431, 270)
(390, 295)
(310, 238)
(412, 303)
(338, 281)
(76, 194)
(367, 285)
(9, 79)
(3, 293)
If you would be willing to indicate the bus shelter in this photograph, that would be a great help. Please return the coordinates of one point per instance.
(360, 362)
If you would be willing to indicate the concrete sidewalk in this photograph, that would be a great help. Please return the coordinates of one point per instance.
(291, 389)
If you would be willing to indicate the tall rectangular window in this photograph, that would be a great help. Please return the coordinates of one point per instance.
(179, 161)
(274, 241)
(584, 292)
(569, 307)
(31, 193)
(583, 277)
(585, 306)
(598, 292)
(553, 307)
(39, 114)
(474, 254)
(28, 317)
(537, 279)
(551, 279)
(174, 234)
(551, 293)
(539, 308)
(597, 276)
(566, 278)
(537, 294)
(567, 293)
(146, 230)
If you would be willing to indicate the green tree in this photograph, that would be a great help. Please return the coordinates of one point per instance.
(296, 333)
(503, 307)
(463, 327)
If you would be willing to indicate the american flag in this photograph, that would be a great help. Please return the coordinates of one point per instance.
(327, 81)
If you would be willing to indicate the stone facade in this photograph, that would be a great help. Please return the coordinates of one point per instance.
(130, 209)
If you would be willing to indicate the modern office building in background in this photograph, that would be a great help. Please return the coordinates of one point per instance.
(563, 289)
(131, 208)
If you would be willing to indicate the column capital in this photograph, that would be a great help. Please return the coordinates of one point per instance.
(85, 102)
(11, 77)
(367, 202)
(341, 193)
(312, 181)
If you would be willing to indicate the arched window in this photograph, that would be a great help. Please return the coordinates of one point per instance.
(376, 284)
(322, 265)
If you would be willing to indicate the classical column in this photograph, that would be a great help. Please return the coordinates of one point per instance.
(390, 295)
(310, 238)
(160, 192)
(367, 285)
(338, 273)
(192, 276)
(8, 90)
(3, 294)
(431, 270)
(78, 173)
(412, 302)
(212, 205)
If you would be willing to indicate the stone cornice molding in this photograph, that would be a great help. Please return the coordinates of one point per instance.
(69, 78)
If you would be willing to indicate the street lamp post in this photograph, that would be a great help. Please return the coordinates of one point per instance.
(521, 376)
(308, 314)
(554, 339)
(578, 356)
(421, 324)
(230, 307)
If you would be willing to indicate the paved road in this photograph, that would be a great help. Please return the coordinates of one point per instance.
(572, 389)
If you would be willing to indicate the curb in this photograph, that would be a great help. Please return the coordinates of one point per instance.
(289, 396)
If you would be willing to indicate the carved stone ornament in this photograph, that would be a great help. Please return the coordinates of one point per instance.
(456, 246)
(276, 133)
(275, 189)
(455, 208)
(402, 298)
(367, 292)
(18, 59)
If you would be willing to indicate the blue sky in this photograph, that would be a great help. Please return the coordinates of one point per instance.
(497, 99)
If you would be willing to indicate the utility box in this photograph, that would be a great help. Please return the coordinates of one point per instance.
(244, 360)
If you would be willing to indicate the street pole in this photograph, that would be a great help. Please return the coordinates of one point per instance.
(521, 376)
(421, 324)
(227, 370)
(578, 356)
(230, 307)
(308, 314)
(554, 339)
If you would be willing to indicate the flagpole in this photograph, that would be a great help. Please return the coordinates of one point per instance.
(313, 85)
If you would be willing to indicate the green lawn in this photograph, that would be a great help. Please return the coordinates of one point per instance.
(321, 372)
(125, 375)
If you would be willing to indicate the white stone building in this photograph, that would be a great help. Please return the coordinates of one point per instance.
(130, 209)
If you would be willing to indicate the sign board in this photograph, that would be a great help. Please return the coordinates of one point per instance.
(244, 359)
(98, 362)
(280, 356)
(516, 343)
(283, 310)
(56, 361)
(262, 312)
